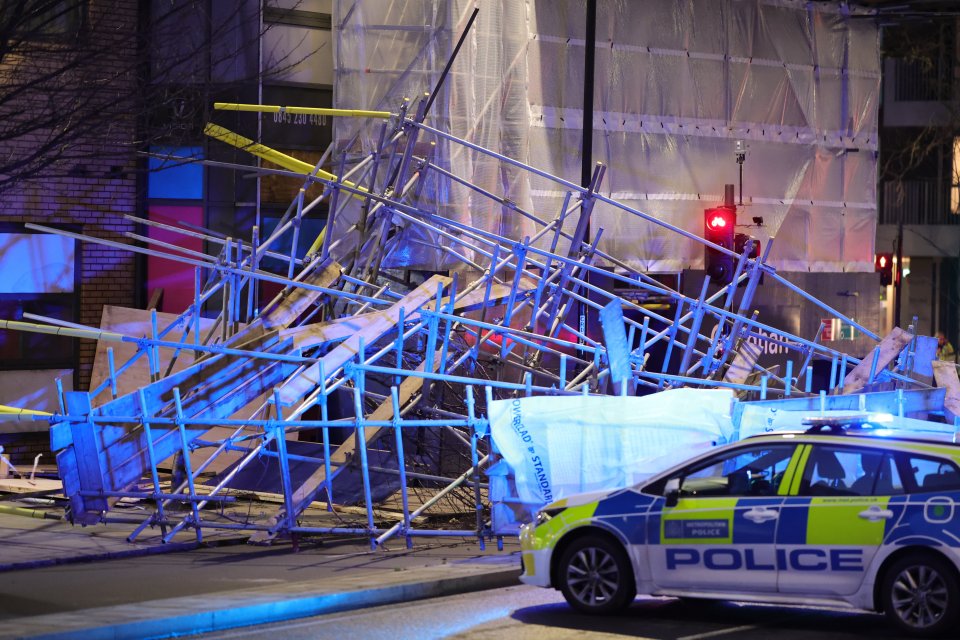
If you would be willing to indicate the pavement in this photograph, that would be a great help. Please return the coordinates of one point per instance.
(61, 581)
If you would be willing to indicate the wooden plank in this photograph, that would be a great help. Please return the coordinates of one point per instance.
(889, 348)
(135, 322)
(370, 328)
(744, 359)
(319, 333)
(112, 457)
(945, 373)
(342, 328)
(26, 485)
(308, 489)
(87, 471)
(288, 308)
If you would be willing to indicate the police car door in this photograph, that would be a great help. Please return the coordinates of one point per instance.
(840, 507)
(717, 527)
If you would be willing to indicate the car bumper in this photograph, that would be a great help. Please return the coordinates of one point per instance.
(536, 562)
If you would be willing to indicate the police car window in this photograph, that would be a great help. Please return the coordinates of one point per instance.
(848, 471)
(930, 474)
(756, 471)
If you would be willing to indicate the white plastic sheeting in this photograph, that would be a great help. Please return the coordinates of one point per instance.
(388, 50)
(677, 84)
(559, 446)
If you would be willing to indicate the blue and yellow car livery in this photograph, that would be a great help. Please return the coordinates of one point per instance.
(818, 518)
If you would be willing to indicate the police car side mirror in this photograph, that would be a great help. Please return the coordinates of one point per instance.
(672, 491)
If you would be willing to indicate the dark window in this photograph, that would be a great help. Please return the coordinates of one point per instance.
(850, 471)
(750, 471)
(924, 474)
(43, 19)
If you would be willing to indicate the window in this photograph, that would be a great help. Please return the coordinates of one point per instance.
(43, 19)
(754, 471)
(38, 275)
(848, 471)
(925, 474)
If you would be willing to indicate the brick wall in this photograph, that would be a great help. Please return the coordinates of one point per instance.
(21, 449)
(95, 183)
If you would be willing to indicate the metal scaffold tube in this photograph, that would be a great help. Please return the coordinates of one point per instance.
(355, 383)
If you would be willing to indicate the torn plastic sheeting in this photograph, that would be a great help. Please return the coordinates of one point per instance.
(559, 446)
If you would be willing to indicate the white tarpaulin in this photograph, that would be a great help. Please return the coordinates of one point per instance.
(678, 82)
(558, 446)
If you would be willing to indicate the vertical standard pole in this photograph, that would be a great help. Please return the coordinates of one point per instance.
(644, 330)
(475, 462)
(148, 435)
(873, 365)
(296, 234)
(401, 464)
(196, 310)
(364, 465)
(325, 416)
(444, 349)
(154, 349)
(225, 292)
(280, 437)
(842, 374)
(252, 282)
(63, 408)
(238, 289)
(672, 334)
(185, 448)
(694, 328)
(113, 373)
(400, 324)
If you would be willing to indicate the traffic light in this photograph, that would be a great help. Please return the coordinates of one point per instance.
(719, 223)
(740, 241)
(883, 264)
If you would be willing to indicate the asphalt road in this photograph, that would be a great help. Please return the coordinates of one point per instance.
(530, 613)
(73, 587)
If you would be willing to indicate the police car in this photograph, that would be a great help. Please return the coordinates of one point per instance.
(830, 516)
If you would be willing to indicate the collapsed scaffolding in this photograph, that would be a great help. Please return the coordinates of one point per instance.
(413, 357)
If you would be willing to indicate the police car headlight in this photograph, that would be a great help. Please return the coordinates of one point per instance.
(546, 514)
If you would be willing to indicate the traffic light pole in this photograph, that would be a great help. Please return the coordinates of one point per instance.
(586, 170)
(898, 277)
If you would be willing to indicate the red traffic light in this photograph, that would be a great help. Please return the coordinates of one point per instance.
(718, 228)
(720, 219)
(883, 264)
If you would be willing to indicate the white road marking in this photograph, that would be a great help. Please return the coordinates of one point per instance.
(718, 632)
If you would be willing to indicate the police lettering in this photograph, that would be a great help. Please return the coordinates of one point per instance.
(727, 559)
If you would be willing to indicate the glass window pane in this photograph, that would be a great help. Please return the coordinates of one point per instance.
(931, 474)
(756, 471)
(849, 471)
(173, 178)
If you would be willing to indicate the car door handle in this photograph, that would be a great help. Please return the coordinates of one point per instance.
(760, 515)
(875, 513)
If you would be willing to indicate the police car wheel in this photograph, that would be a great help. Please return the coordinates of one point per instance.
(921, 595)
(595, 575)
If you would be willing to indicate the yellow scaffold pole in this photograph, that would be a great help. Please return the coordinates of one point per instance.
(262, 151)
(278, 158)
(307, 111)
(17, 414)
